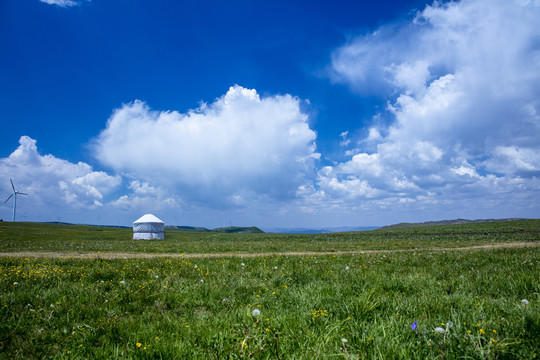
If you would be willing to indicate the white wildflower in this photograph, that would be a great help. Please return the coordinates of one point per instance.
(525, 302)
(439, 330)
(256, 313)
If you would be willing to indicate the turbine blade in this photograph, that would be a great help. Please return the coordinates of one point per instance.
(20, 193)
(10, 196)
(13, 186)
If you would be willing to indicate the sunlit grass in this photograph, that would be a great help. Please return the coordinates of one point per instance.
(203, 308)
(485, 301)
(35, 237)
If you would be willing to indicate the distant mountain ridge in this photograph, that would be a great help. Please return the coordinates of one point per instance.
(256, 230)
(229, 229)
(321, 230)
(447, 222)
(73, 224)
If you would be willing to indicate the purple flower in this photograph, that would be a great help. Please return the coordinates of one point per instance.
(413, 325)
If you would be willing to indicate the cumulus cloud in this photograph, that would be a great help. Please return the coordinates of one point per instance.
(146, 197)
(514, 160)
(462, 80)
(146, 202)
(241, 145)
(52, 182)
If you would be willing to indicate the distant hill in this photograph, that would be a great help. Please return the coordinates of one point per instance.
(322, 230)
(238, 229)
(230, 229)
(190, 228)
(59, 223)
(445, 222)
(72, 224)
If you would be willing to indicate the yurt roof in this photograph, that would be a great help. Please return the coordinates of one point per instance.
(148, 218)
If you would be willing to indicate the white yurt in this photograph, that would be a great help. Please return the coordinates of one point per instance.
(148, 227)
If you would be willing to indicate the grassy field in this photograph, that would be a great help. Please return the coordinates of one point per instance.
(38, 237)
(336, 306)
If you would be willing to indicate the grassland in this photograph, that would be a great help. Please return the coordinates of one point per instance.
(37, 237)
(182, 307)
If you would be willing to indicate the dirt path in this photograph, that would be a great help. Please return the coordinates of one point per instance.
(119, 255)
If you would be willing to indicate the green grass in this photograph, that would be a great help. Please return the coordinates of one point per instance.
(37, 237)
(182, 307)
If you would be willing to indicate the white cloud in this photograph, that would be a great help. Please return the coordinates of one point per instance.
(61, 3)
(54, 183)
(242, 153)
(138, 203)
(145, 197)
(143, 188)
(462, 81)
(344, 140)
(465, 169)
(240, 145)
(514, 160)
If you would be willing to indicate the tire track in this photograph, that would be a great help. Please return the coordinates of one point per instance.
(120, 255)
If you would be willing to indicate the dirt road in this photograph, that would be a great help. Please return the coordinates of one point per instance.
(119, 255)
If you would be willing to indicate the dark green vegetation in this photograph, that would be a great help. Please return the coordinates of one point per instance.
(239, 229)
(200, 308)
(228, 229)
(37, 237)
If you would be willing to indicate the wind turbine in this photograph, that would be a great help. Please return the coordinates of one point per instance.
(14, 195)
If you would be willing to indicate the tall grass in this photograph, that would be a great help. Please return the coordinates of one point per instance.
(181, 307)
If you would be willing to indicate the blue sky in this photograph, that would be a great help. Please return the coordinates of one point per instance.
(281, 114)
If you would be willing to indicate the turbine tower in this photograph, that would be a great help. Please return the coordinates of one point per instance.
(14, 195)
